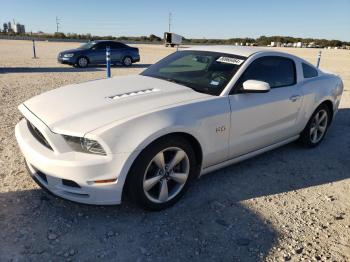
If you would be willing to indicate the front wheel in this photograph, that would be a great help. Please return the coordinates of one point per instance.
(316, 128)
(82, 62)
(162, 173)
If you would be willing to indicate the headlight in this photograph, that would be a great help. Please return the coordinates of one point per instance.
(85, 145)
(68, 55)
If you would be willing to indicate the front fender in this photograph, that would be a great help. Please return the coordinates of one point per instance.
(133, 135)
(137, 133)
(199, 119)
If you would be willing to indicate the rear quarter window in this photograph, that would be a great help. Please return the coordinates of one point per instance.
(309, 71)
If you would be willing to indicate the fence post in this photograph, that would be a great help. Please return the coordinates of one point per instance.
(108, 61)
(34, 53)
(318, 59)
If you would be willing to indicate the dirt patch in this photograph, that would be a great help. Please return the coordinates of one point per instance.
(287, 204)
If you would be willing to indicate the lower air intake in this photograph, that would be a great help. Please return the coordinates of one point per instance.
(70, 183)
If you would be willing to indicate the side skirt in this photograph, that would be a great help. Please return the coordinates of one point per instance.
(246, 156)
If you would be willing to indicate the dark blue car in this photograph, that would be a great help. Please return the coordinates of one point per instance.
(94, 52)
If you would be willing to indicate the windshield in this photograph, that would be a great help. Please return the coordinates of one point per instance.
(87, 45)
(205, 72)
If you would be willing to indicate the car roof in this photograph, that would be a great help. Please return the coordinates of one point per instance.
(101, 41)
(245, 51)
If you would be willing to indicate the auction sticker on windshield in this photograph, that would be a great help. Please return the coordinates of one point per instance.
(229, 60)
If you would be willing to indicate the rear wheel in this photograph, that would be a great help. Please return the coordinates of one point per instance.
(127, 61)
(162, 173)
(82, 62)
(316, 128)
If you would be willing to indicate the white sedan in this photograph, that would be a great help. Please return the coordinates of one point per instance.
(151, 135)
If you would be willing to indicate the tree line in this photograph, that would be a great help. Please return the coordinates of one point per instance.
(266, 40)
(260, 41)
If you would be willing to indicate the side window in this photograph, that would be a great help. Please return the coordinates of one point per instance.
(309, 71)
(276, 70)
(101, 46)
(117, 45)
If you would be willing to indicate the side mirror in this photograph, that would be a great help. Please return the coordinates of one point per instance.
(255, 86)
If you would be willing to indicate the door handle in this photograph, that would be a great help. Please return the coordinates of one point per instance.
(294, 98)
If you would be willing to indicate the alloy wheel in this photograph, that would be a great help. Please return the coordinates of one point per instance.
(166, 175)
(82, 62)
(318, 126)
(127, 61)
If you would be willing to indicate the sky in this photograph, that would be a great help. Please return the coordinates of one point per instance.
(328, 19)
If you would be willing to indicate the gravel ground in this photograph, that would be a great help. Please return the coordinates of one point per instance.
(288, 204)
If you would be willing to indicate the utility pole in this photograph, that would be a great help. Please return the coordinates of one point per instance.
(169, 21)
(57, 23)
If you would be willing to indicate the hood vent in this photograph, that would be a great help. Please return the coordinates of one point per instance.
(135, 93)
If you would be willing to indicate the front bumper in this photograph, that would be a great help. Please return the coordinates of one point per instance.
(53, 169)
(136, 59)
(66, 60)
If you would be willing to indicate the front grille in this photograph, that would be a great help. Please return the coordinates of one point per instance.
(38, 135)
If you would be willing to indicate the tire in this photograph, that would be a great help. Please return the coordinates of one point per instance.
(127, 61)
(154, 188)
(316, 128)
(82, 62)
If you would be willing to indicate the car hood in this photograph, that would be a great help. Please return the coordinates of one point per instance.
(70, 51)
(80, 108)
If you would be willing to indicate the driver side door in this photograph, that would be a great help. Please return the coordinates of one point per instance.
(262, 119)
(97, 54)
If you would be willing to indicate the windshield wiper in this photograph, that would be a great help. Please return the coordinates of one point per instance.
(166, 79)
(185, 84)
(173, 81)
(182, 83)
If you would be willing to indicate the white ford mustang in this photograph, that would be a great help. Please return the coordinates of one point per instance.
(193, 112)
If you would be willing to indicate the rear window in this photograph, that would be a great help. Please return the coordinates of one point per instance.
(309, 71)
